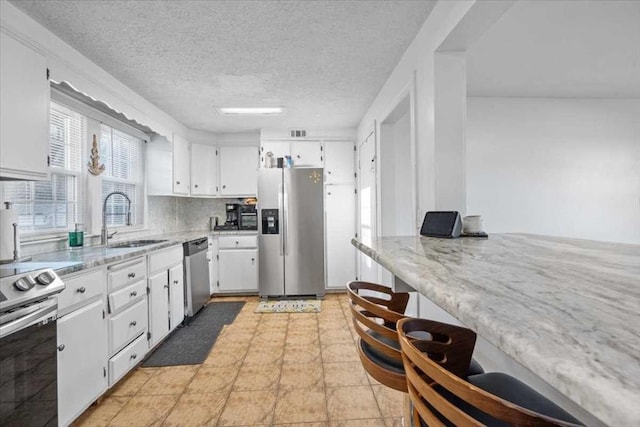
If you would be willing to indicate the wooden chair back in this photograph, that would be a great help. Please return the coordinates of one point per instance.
(439, 364)
(379, 315)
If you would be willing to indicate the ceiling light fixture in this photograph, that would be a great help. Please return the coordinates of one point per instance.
(251, 110)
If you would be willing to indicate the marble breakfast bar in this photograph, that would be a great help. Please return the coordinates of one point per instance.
(567, 310)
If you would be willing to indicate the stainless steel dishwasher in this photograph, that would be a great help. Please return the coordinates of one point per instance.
(196, 271)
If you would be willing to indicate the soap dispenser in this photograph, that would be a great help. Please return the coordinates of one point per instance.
(76, 237)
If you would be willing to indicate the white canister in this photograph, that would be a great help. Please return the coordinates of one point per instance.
(8, 217)
(472, 224)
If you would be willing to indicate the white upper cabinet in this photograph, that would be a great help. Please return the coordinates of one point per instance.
(181, 162)
(339, 161)
(277, 148)
(238, 171)
(307, 154)
(24, 111)
(204, 170)
(159, 167)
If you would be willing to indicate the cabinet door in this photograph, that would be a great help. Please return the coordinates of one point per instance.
(204, 170)
(279, 149)
(340, 228)
(339, 162)
(238, 270)
(158, 306)
(176, 296)
(24, 111)
(82, 360)
(159, 167)
(307, 153)
(238, 171)
(213, 264)
(181, 165)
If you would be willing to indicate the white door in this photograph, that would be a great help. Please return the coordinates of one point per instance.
(339, 159)
(238, 270)
(158, 306)
(277, 148)
(340, 226)
(238, 171)
(204, 170)
(367, 205)
(82, 360)
(307, 153)
(176, 296)
(181, 165)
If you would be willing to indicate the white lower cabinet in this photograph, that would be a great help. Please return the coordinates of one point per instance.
(176, 296)
(82, 360)
(166, 292)
(238, 270)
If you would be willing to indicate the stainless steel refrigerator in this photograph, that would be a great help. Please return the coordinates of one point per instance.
(290, 232)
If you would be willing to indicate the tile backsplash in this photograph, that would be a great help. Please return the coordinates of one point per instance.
(165, 215)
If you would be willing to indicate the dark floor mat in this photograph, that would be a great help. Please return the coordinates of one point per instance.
(190, 344)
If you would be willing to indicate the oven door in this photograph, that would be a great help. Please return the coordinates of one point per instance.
(28, 367)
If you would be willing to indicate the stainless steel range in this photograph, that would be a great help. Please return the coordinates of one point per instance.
(28, 354)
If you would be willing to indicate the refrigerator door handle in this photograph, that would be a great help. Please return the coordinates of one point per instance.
(286, 222)
(280, 206)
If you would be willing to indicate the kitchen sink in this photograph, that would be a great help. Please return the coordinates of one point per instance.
(135, 243)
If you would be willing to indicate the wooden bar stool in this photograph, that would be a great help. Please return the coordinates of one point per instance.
(441, 396)
(374, 319)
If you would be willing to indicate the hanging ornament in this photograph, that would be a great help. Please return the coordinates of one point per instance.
(95, 168)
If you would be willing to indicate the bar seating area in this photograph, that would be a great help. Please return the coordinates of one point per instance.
(432, 362)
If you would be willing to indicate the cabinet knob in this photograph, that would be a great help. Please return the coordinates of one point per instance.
(329, 172)
(166, 286)
(134, 323)
(134, 293)
(328, 193)
(298, 156)
(81, 290)
(224, 186)
(61, 347)
(176, 281)
(178, 182)
(196, 185)
(236, 242)
(253, 259)
(132, 275)
(133, 356)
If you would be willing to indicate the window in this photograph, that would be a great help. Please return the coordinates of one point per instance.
(122, 157)
(54, 205)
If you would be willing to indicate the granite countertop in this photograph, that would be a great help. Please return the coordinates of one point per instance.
(77, 259)
(567, 309)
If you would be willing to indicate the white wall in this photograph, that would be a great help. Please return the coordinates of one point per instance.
(563, 167)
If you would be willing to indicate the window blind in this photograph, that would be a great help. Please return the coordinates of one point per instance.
(122, 155)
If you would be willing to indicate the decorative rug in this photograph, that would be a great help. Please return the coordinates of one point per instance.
(189, 344)
(289, 306)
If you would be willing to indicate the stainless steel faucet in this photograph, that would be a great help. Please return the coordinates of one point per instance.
(105, 236)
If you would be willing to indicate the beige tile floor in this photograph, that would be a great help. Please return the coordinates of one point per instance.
(264, 369)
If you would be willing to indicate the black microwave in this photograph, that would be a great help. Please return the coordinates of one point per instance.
(247, 217)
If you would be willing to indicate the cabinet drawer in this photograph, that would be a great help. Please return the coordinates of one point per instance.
(120, 275)
(124, 297)
(80, 288)
(125, 326)
(129, 357)
(237, 242)
(165, 258)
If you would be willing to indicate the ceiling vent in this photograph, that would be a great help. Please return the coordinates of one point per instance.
(298, 133)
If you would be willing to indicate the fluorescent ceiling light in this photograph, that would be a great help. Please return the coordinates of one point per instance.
(251, 110)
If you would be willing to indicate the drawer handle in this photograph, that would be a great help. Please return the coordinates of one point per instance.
(61, 347)
(81, 290)
(134, 323)
(133, 294)
(236, 242)
(133, 356)
(253, 259)
(132, 275)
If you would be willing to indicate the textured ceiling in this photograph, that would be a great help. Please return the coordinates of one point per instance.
(323, 60)
(587, 49)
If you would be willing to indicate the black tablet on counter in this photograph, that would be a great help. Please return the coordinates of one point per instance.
(445, 224)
